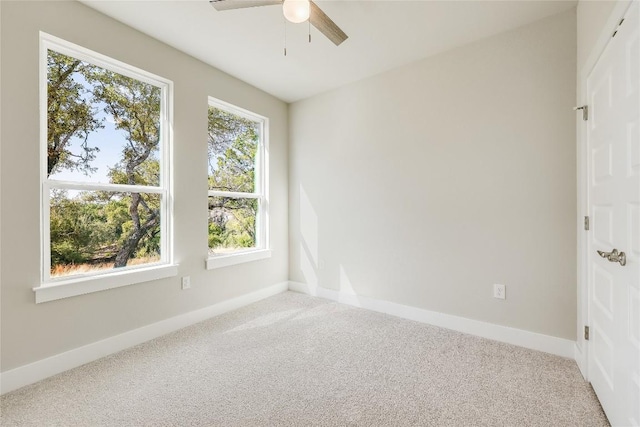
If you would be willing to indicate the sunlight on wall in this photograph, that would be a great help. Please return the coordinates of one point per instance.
(307, 267)
(309, 239)
(346, 293)
(309, 226)
(345, 283)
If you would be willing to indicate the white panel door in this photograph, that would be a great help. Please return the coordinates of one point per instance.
(613, 141)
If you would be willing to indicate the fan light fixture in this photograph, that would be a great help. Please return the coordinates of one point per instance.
(296, 11)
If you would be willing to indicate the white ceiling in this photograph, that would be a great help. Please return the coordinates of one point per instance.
(248, 43)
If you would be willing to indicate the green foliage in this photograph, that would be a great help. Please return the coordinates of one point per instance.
(69, 114)
(135, 108)
(233, 145)
(77, 227)
(232, 223)
(92, 226)
(96, 227)
(216, 235)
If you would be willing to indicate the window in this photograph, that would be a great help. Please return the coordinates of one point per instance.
(237, 224)
(105, 166)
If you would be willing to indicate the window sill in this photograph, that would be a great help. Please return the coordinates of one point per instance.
(227, 260)
(87, 285)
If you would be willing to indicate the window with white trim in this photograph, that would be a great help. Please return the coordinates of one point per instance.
(106, 184)
(237, 153)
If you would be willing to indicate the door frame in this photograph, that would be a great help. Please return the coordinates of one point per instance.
(583, 304)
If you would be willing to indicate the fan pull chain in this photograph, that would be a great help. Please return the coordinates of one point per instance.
(309, 22)
(285, 37)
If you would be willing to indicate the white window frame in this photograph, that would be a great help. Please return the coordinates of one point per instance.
(261, 192)
(56, 288)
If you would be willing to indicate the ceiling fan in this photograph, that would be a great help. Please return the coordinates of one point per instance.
(295, 11)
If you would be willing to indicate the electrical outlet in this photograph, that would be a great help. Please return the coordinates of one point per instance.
(499, 291)
(186, 282)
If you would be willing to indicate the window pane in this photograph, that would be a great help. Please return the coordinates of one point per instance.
(233, 145)
(232, 224)
(101, 126)
(94, 231)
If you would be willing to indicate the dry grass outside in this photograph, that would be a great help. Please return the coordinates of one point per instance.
(73, 269)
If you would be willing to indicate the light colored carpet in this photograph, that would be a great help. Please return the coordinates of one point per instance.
(294, 360)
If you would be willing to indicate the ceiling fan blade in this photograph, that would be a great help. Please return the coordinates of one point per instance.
(325, 25)
(241, 4)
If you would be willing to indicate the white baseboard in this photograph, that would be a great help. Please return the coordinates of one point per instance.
(581, 360)
(558, 346)
(34, 372)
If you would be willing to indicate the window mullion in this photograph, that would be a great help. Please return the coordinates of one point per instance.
(234, 194)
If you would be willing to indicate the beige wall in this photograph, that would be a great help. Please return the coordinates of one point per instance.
(31, 332)
(592, 15)
(429, 183)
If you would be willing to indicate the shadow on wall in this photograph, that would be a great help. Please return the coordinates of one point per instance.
(309, 257)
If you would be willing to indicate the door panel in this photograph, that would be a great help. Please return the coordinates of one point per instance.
(603, 353)
(602, 217)
(633, 148)
(603, 291)
(634, 226)
(613, 146)
(602, 163)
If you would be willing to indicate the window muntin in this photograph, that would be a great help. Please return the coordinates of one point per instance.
(105, 168)
(237, 174)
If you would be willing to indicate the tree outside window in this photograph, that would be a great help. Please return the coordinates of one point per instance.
(236, 180)
(106, 181)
